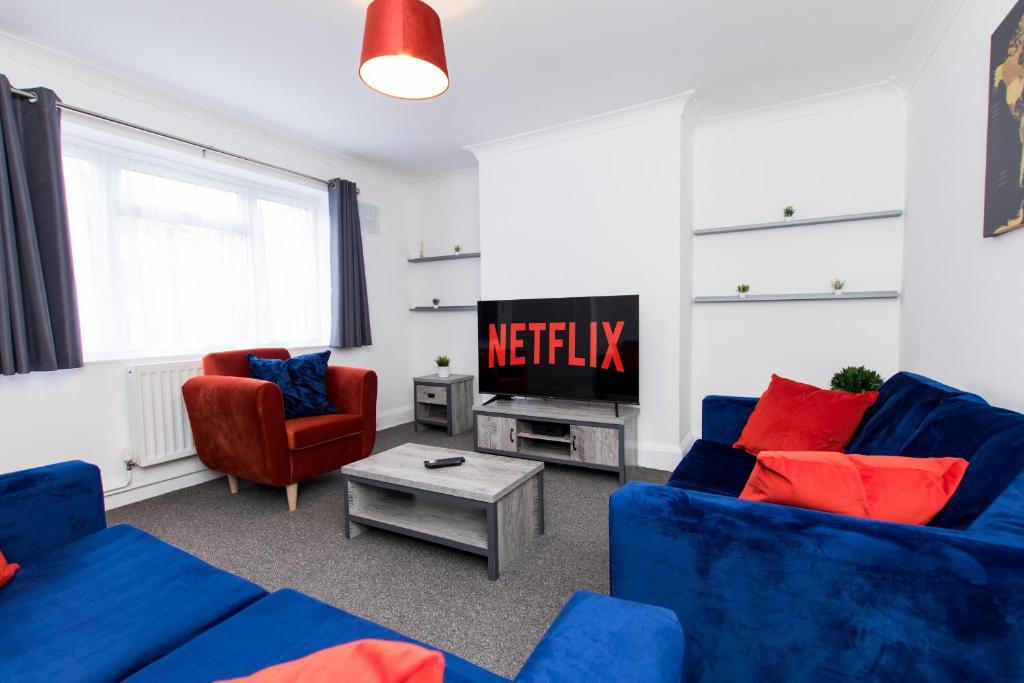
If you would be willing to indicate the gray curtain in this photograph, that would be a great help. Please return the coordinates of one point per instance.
(38, 307)
(350, 312)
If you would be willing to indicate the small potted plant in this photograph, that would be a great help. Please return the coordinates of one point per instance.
(787, 213)
(458, 248)
(837, 286)
(442, 366)
(856, 380)
(742, 290)
(436, 301)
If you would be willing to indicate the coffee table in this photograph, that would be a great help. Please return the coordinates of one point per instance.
(491, 505)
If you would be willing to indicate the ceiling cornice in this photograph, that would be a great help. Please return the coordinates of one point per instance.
(126, 96)
(929, 34)
(673, 107)
(886, 91)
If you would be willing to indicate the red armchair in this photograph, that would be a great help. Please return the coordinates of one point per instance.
(239, 426)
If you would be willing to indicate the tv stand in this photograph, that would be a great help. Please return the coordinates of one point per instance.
(596, 436)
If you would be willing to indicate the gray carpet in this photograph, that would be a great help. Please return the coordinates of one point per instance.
(435, 594)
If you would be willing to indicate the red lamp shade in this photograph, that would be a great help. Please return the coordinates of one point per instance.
(403, 51)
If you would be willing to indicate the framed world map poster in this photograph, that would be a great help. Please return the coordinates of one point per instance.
(1004, 168)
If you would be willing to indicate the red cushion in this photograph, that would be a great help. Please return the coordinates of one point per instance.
(304, 432)
(792, 416)
(886, 487)
(361, 661)
(7, 570)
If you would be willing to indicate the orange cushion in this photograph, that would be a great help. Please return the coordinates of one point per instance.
(792, 416)
(361, 661)
(7, 570)
(892, 488)
(304, 432)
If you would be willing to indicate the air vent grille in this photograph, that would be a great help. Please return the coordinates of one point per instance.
(369, 218)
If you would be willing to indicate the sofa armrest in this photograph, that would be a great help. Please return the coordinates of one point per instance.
(238, 425)
(46, 507)
(354, 391)
(597, 638)
(806, 594)
(723, 417)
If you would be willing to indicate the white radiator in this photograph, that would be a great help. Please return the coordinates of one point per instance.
(159, 423)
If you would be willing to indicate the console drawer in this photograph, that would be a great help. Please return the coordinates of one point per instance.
(431, 394)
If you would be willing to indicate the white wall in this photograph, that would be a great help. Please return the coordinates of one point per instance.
(445, 212)
(686, 333)
(832, 155)
(596, 208)
(963, 295)
(48, 417)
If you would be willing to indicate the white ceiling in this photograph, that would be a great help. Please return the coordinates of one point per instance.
(515, 65)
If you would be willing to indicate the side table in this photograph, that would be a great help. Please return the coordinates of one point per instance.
(444, 402)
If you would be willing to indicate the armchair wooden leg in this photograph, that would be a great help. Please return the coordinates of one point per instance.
(233, 484)
(292, 491)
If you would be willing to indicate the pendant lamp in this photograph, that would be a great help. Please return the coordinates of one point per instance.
(403, 51)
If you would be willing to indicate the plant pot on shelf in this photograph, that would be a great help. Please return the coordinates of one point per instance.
(443, 371)
(743, 295)
(837, 292)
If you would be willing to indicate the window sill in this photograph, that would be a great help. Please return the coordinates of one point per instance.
(195, 355)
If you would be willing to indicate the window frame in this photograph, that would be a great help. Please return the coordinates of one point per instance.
(116, 152)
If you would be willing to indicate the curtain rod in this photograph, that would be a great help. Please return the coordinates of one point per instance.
(33, 98)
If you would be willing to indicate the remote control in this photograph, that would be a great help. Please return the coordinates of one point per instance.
(444, 462)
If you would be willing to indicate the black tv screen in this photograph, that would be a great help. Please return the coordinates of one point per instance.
(583, 348)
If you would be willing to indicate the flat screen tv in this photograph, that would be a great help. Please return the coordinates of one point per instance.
(582, 348)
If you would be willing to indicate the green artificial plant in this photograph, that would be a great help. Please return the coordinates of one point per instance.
(856, 380)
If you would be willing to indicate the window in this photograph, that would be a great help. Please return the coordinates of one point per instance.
(176, 255)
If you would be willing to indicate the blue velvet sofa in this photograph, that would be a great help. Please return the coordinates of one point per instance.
(93, 603)
(774, 593)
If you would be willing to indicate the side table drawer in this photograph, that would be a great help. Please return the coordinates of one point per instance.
(431, 394)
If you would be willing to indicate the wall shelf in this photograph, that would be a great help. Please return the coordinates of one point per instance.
(798, 222)
(812, 296)
(442, 309)
(446, 257)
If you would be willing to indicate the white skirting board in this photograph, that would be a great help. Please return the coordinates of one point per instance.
(141, 490)
(663, 456)
(394, 417)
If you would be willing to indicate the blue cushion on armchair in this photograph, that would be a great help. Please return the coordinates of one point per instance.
(302, 379)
